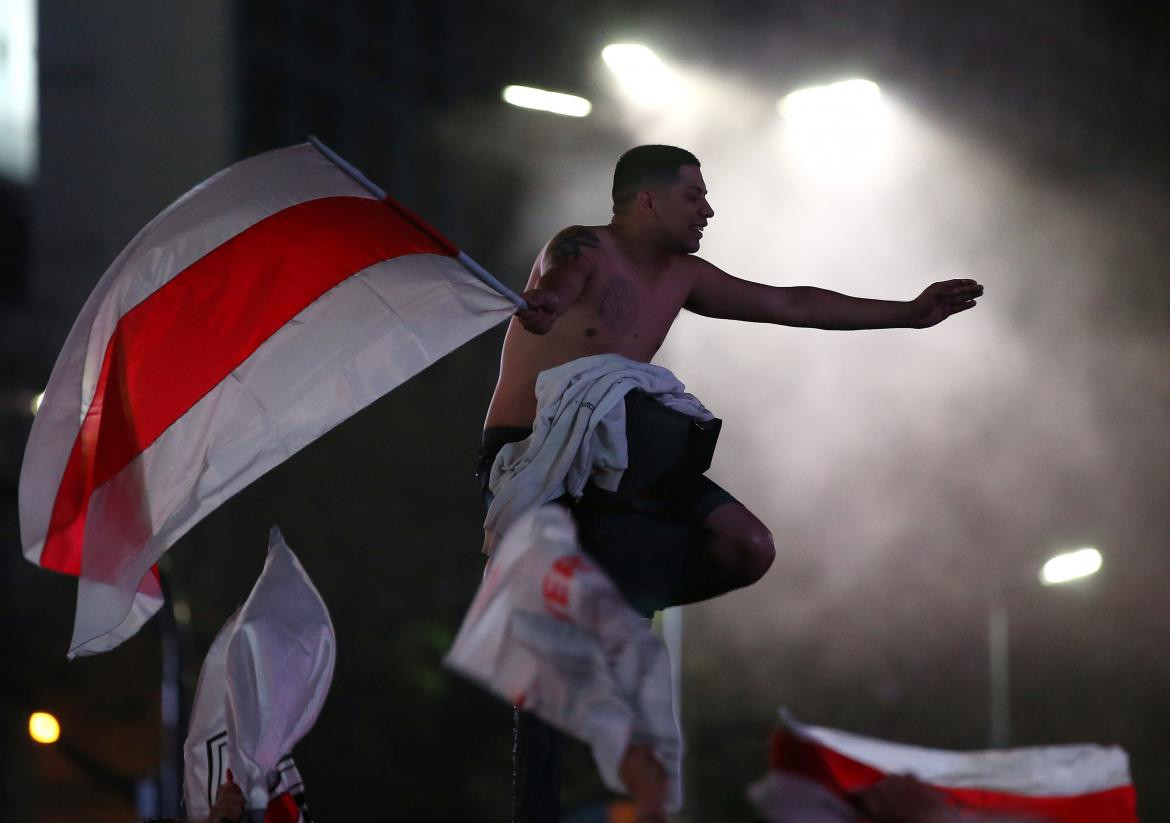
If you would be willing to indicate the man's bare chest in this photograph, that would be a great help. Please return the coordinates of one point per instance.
(620, 305)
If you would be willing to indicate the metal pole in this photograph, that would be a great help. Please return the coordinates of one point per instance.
(672, 637)
(998, 658)
(343, 164)
(170, 775)
(373, 188)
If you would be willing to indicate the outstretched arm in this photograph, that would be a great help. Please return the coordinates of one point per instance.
(715, 293)
(565, 267)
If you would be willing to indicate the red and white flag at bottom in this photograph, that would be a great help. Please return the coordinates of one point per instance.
(816, 772)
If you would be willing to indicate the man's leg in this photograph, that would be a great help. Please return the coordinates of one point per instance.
(658, 562)
(730, 550)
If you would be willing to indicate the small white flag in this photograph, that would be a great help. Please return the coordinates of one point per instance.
(260, 690)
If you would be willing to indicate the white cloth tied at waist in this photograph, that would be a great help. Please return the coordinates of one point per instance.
(550, 632)
(579, 434)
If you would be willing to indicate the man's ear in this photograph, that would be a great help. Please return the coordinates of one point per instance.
(644, 202)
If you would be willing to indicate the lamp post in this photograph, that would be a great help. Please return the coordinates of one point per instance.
(1060, 569)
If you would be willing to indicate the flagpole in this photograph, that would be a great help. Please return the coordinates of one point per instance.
(174, 723)
(481, 274)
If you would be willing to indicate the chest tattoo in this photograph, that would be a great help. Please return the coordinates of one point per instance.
(619, 304)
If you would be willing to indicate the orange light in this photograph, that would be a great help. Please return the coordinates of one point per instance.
(43, 727)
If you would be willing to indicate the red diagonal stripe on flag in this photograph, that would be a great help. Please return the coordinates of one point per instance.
(843, 775)
(175, 346)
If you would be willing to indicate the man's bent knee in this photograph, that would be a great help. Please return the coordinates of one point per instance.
(744, 544)
(757, 551)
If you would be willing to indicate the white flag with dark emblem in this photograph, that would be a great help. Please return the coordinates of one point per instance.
(260, 690)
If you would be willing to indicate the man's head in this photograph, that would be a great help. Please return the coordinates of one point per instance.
(662, 188)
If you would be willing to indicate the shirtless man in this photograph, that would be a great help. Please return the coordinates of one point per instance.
(618, 288)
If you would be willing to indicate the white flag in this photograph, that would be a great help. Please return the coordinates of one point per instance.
(260, 690)
(549, 632)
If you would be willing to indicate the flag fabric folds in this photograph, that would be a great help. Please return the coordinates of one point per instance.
(261, 688)
(815, 769)
(549, 632)
(261, 309)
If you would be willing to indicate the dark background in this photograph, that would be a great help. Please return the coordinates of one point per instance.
(138, 101)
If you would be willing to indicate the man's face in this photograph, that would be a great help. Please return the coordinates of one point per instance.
(683, 210)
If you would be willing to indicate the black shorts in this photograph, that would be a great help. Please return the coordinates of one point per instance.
(493, 440)
(643, 533)
(689, 502)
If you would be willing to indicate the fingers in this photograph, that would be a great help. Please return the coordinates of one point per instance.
(959, 298)
(535, 320)
(541, 299)
(230, 777)
(961, 287)
(963, 291)
(541, 311)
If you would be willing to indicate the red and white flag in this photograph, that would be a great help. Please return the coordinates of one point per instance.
(816, 769)
(261, 309)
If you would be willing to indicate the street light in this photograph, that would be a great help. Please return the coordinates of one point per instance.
(1069, 566)
(848, 103)
(645, 80)
(1059, 569)
(555, 102)
(838, 130)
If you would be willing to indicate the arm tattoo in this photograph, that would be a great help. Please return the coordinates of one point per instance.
(566, 246)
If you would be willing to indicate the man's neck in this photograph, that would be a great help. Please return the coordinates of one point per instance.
(636, 244)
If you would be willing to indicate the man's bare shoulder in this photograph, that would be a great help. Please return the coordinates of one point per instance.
(572, 243)
(703, 280)
(692, 262)
(695, 271)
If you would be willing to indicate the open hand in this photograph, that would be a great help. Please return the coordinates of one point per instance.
(542, 310)
(939, 301)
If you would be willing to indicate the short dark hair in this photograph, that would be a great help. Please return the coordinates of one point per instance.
(644, 166)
